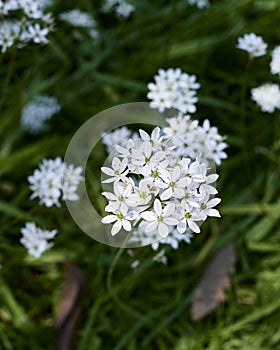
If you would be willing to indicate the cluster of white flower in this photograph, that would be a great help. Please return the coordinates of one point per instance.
(116, 137)
(275, 62)
(157, 191)
(199, 3)
(55, 180)
(24, 21)
(35, 239)
(80, 19)
(267, 96)
(253, 44)
(37, 112)
(173, 89)
(121, 7)
(192, 140)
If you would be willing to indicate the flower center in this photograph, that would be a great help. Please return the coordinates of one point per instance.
(120, 216)
(159, 218)
(188, 215)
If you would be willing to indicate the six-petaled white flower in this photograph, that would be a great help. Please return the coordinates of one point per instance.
(160, 218)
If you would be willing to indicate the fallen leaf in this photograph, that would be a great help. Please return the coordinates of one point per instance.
(69, 306)
(213, 284)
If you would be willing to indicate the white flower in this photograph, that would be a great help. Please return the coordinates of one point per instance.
(267, 97)
(78, 18)
(35, 239)
(173, 89)
(121, 218)
(207, 205)
(253, 44)
(115, 137)
(148, 172)
(160, 218)
(32, 23)
(188, 216)
(9, 33)
(38, 34)
(119, 197)
(53, 180)
(192, 140)
(37, 112)
(121, 7)
(174, 184)
(275, 62)
(199, 3)
(117, 172)
(161, 257)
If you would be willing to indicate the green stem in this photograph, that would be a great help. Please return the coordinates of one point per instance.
(111, 290)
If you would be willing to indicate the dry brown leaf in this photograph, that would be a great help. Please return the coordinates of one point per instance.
(213, 284)
(69, 306)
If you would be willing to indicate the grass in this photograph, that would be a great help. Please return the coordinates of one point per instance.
(145, 308)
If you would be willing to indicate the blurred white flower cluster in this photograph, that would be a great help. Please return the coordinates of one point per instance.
(267, 95)
(121, 7)
(191, 139)
(37, 112)
(80, 19)
(275, 61)
(35, 239)
(173, 89)
(199, 3)
(24, 21)
(253, 44)
(55, 180)
(155, 189)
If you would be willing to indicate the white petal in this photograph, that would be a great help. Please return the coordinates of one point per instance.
(107, 171)
(163, 230)
(212, 178)
(157, 207)
(155, 134)
(110, 196)
(116, 163)
(144, 135)
(126, 225)
(116, 228)
(148, 216)
(181, 227)
(169, 209)
(109, 219)
(193, 226)
(176, 173)
(214, 212)
(151, 226)
(213, 202)
(170, 221)
(166, 194)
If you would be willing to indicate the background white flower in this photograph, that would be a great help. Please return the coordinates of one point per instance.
(199, 3)
(267, 97)
(173, 89)
(35, 239)
(275, 61)
(37, 112)
(55, 180)
(253, 44)
(121, 7)
(32, 23)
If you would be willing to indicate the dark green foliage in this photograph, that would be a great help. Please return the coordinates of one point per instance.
(145, 308)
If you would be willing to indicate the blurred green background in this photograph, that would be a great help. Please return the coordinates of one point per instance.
(89, 76)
